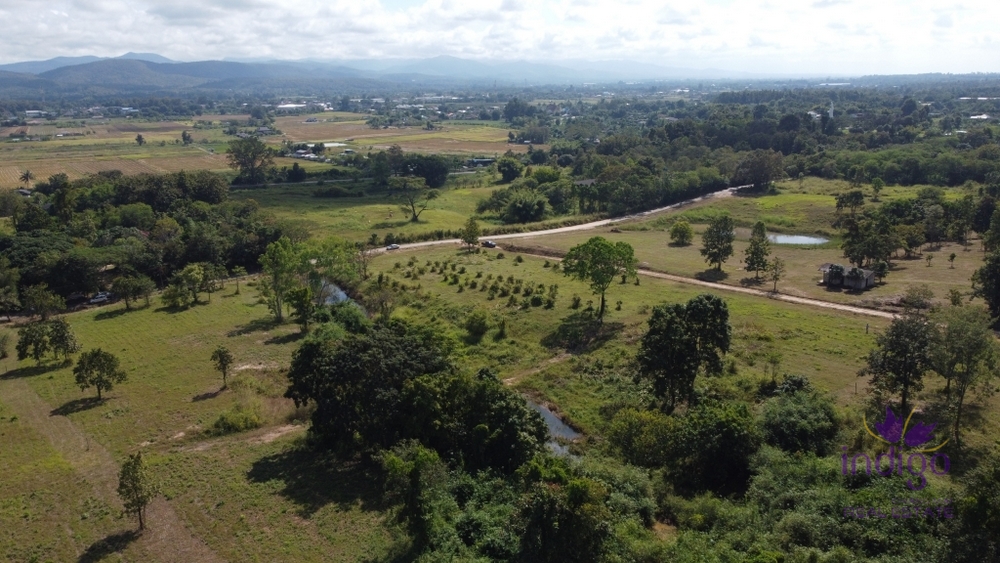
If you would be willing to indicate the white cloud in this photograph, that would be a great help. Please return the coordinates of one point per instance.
(790, 36)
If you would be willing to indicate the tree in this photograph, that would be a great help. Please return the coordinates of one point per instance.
(415, 194)
(252, 158)
(33, 342)
(707, 317)
(757, 252)
(143, 287)
(136, 487)
(965, 354)
(599, 262)
(759, 169)
(186, 137)
(140, 140)
(280, 262)
(471, 232)
(223, 359)
(237, 273)
(61, 338)
(877, 186)
(379, 169)
(717, 240)
(303, 307)
(125, 287)
(9, 276)
(99, 369)
(681, 233)
(509, 168)
(951, 260)
(39, 300)
(901, 357)
(986, 283)
(668, 355)
(880, 269)
(851, 201)
(776, 271)
(27, 177)
(192, 279)
(8, 300)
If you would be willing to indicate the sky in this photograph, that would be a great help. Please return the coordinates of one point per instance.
(835, 37)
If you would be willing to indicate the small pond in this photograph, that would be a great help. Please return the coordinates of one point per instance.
(796, 239)
(557, 429)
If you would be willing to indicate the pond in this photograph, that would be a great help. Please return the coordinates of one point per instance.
(796, 239)
(557, 429)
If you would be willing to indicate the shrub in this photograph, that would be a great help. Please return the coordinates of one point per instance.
(518, 259)
(576, 302)
(477, 323)
(241, 417)
(800, 422)
(499, 255)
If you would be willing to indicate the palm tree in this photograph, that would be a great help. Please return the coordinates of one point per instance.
(27, 177)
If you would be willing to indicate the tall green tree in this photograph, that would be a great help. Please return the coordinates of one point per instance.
(901, 357)
(136, 487)
(509, 168)
(600, 262)
(755, 256)
(61, 338)
(252, 158)
(99, 369)
(223, 359)
(415, 194)
(281, 263)
(986, 283)
(39, 300)
(717, 240)
(33, 342)
(759, 169)
(965, 354)
(668, 355)
(140, 140)
(471, 232)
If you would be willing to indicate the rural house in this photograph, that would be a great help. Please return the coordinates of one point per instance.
(835, 275)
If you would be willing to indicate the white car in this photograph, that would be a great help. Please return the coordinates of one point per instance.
(102, 297)
(392, 247)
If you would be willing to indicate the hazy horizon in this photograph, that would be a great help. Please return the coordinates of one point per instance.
(822, 37)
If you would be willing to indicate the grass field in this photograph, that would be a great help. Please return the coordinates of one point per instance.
(808, 210)
(245, 502)
(824, 345)
(462, 138)
(357, 218)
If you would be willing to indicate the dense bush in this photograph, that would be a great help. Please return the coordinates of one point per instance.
(801, 421)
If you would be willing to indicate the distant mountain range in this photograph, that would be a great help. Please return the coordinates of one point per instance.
(136, 73)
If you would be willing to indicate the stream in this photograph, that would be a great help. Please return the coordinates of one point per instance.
(557, 429)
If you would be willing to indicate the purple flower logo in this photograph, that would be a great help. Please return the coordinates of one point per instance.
(893, 428)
